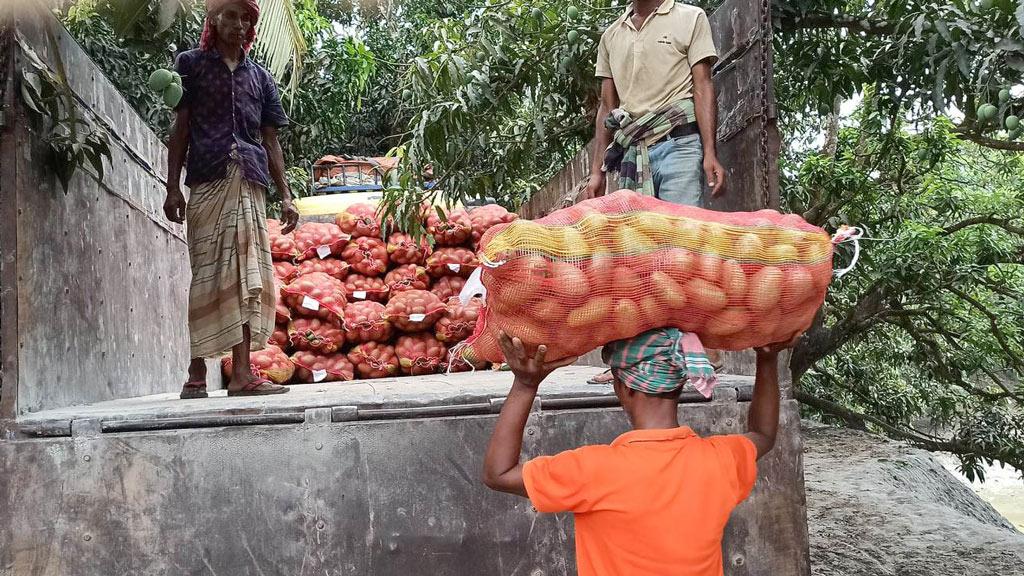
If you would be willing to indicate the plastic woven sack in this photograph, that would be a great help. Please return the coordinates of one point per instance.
(365, 322)
(420, 353)
(452, 261)
(448, 286)
(333, 267)
(403, 249)
(359, 287)
(455, 230)
(323, 336)
(367, 256)
(615, 266)
(374, 360)
(359, 220)
(458, 321)
(270, 363)
(414, 310)
(407, 277)
(317, 295)
(319, 240)
(312, 367)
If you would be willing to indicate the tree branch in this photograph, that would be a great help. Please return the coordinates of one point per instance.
(791, 22)
(968, 134)
(993, 321)
(1004, 223)
(857, 419)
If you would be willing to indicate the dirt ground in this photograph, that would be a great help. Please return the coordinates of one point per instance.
(880, 508)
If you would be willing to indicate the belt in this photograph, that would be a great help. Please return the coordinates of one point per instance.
(678, 132)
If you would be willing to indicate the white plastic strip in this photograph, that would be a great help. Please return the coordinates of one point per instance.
(848, 234)
(472, 287)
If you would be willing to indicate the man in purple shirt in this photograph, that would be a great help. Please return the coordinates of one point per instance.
(226, 125)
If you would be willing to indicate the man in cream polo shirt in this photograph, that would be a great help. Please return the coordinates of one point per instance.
(658, 107)
(658, 115)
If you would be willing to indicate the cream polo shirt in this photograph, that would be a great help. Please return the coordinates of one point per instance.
(651, 66)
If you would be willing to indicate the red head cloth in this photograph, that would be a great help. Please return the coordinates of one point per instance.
(209, 37)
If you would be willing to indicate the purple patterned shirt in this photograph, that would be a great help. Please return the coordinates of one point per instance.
(226, 109)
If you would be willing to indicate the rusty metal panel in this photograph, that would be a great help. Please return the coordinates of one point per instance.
(391, 497)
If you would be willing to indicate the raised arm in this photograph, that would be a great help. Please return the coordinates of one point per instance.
(502, 470)
(602, 137)
(763, 417)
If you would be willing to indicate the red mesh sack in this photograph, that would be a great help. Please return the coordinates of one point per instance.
(374, 360)
(486, 217)
(284, 271)
(317, 295)
(407, 277)
(452, 262)
(456, 363)
(365, 322)
(323, 336)
(279, 338)
(414, 310)
(282, 246)
(311, 367)
(403, 249)
(456, 230)
(359, 220)
(367, 256)
(420, 353)
(615, 266)
(270, 363)
(331, 266)
(319, 240)
(282, 313)
(359, 287)
(448, 286)
(458, 321)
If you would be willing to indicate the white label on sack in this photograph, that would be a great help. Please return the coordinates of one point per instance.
(323, 251)
(473, 287)
(417, 317)
(310, 303)
(319, 375)
(454, 267)
(359, 294)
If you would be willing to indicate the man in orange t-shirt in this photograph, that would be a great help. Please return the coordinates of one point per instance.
(656, 500)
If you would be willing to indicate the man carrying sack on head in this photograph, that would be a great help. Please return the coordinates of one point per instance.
(226, 125)
(657, 117)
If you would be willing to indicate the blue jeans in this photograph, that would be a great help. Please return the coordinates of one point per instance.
(677, 167)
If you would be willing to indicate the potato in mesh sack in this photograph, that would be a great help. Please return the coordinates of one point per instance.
(616, 266)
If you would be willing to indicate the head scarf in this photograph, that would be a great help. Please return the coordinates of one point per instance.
(660, 361)
(209, 37)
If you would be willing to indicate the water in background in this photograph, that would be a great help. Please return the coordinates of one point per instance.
(1003, 488)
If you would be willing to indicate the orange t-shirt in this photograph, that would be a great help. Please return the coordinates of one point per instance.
(654, 502)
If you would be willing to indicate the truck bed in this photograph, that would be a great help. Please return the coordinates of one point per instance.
(437, 395)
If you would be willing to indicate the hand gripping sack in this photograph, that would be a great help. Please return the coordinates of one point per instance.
(616, 266)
